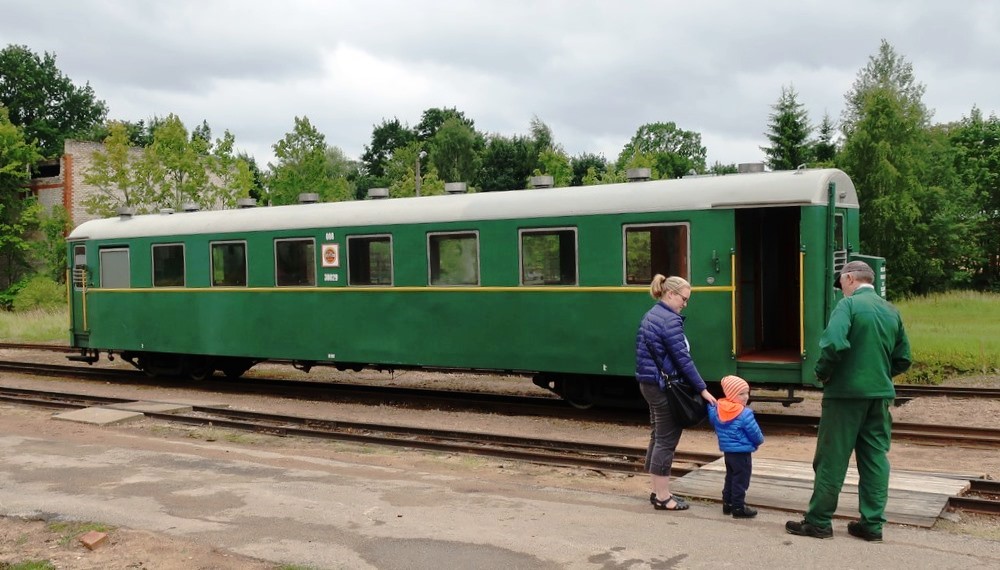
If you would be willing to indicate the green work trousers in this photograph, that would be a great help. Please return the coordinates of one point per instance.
(865, 427)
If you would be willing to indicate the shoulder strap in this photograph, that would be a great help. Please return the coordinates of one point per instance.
(652, 353)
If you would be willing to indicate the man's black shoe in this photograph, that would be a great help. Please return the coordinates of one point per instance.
(854, 528)
(727, 508)
(802, 528)
(744, 512)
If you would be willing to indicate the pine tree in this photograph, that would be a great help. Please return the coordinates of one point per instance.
(788, 133)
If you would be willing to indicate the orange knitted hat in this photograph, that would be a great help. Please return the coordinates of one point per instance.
(733, 385)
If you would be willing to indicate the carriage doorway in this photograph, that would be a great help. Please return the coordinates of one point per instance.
(767, 304)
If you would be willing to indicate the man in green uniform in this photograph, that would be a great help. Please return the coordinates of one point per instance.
(862, 348)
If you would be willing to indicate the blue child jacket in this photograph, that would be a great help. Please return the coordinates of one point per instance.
(739, 435)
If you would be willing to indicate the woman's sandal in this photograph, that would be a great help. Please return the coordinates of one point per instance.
(677, 499)
(659, 505)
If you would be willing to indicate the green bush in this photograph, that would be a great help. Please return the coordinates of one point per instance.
(8, 295)
(40, 292)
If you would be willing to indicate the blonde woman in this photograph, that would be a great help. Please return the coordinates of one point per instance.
(660, 344)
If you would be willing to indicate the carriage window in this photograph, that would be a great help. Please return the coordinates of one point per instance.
(454, 258)
(79, 265)
(168, 265)
(369, 260)
(229, 264)
(655, 249)
(114, 268)
(548, 257)
(294, 262)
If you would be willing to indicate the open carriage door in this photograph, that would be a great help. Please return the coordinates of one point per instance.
(79, 282)
(768, 338)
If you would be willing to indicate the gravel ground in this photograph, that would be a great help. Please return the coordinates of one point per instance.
(24, 540)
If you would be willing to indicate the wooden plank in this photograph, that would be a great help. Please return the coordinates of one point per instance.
(914, 498)
(898, 479)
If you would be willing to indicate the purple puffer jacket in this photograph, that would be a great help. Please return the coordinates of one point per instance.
(662, 330)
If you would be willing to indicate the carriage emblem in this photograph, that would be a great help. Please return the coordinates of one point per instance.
(331, 255)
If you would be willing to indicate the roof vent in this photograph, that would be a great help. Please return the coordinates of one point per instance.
(308, 198)
(638, 174)
(166, 211)
(544, 181)
(190, 207)
(126, 212)
(455, 187)
(246, 203)
(378, 193)
(749, 167)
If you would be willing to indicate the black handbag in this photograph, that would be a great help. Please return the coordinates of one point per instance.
(686, 405)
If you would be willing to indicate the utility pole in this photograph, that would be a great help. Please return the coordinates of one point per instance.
(420, 156)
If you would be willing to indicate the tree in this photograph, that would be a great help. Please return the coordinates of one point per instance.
(720, 169)
(880, 156)
(432, 119)
(788, 133)
(138, 133)
(583, 164)
(610, 176)
(304, 166)
(18, 217)
(233, 174)
(506, 162)
(256, 176)
(824, 147)
(454, 151)
(555, 163)
(976, 144)
(541, 135)
(887, 70)
(674, 152)
(49, 251)
(179, 167)
(402, 170)
(386, 138)
(172, 171)
(946, 232)
(44, 102)
(341, 170)
(112, 174)
(885, 128)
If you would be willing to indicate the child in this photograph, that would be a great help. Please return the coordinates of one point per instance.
(739, 436)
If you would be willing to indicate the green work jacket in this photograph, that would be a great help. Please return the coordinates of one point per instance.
(862, 348)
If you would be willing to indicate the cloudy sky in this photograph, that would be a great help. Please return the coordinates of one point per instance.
(594, 71)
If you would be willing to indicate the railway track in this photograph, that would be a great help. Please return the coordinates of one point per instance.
(903, 391)
(484, 402)
(921, 433)
(548, 406)
(536, 450)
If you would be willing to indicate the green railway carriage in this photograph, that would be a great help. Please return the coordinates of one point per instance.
(549, 282)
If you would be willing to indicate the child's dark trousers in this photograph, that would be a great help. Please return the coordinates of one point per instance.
(739, 466)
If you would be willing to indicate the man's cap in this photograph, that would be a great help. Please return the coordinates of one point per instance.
(733, 385)
(854, 267)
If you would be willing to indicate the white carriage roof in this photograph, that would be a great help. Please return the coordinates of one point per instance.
(764, 189)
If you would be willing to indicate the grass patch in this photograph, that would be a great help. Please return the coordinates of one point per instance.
(212, 434)
(36, 325)
(69, 530)
(28, 565)
(955, 333)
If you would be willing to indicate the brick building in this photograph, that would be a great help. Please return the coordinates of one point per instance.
(60, 182)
